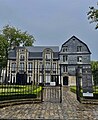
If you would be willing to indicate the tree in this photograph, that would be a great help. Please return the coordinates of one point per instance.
(11, 37)
(94, 65)
(93, 15)
(3, 46)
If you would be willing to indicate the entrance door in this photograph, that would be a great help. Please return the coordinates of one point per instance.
(65, 80)
(21, 79)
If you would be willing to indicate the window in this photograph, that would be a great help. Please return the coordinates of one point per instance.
(79, 59)
(13, 66)
(79, 48)
(54, 66)
(65, 49)
(21, 50)
(40, 65)
(47, 56)
(65, 69)
(21, 66)
(65, 58)
(80, 70)
(21, 57)
(47, 65)
(48, 79)
(30, 65)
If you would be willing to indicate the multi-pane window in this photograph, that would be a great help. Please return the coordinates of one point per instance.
(40, 65)
(13, 66)
(65, 69)
(65, 58)
(47, 65)
(21, 57)
(47, 56)
(79, 59)
(48, 78)
(79, 48)
(54, 66)
(21, 65)
(65, 49)
(30, 65)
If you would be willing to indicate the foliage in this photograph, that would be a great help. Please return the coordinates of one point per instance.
(94, 65)
(93, 15)
(11, 37)
(3, 46)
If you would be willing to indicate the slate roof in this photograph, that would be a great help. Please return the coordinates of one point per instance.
(12, 54)
(41, 48)
(35, 52)
(74, 37)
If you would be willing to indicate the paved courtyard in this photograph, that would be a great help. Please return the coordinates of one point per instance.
(69, 109)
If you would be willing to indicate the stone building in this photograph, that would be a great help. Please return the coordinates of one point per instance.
(27, 65)
(73, 53)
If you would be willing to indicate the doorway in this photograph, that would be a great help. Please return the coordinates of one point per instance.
(65, 80)
(21, 79)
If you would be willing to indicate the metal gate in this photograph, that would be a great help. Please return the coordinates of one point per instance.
(52, 87)
(52, 94)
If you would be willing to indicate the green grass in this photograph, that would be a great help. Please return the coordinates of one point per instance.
(95, 91)
(73, 89)
(95, 88)
(19, 89)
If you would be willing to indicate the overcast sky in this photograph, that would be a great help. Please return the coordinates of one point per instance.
(52, 22)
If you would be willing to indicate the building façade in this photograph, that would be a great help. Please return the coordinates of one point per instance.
(37, 64)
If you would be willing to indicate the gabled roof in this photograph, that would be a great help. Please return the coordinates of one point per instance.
(74, 37)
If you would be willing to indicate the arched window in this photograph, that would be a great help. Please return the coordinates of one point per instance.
(47, 56)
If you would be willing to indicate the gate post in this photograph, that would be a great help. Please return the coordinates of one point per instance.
(60, 87)
(42, 83)
(78, 86)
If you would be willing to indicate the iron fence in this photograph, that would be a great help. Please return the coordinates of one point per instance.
(32, 83)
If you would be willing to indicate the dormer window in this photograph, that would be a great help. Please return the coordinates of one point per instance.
(22, 57)
(65, 49)
(21, 50)
(47, 56)
(79, 48)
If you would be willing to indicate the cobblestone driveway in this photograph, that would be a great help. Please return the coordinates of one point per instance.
(69, 109)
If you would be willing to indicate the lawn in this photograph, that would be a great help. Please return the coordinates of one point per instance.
(95, 91)
(73, 89)
(14, 91)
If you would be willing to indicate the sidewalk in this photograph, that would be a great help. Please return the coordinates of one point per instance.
(69, 109)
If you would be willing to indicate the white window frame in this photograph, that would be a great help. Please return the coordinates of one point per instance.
(79, 59)
(65, 58)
